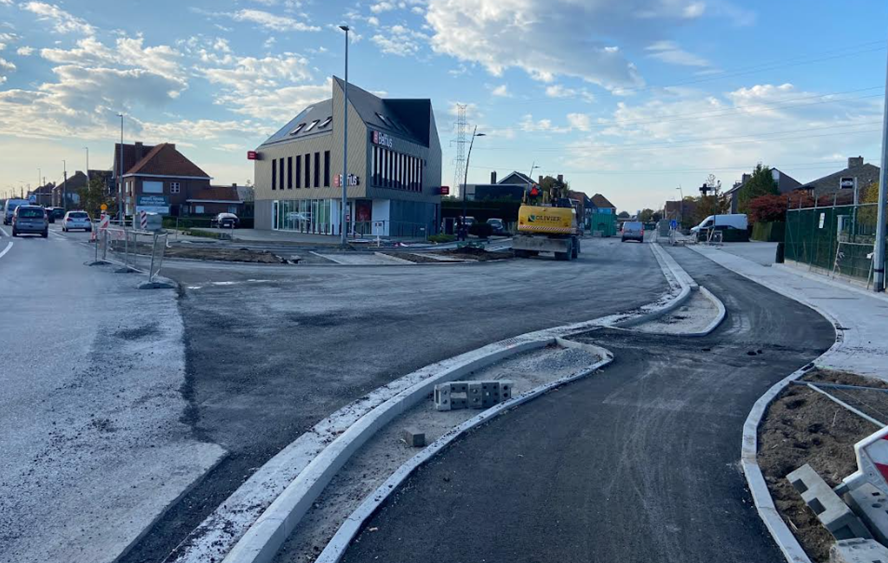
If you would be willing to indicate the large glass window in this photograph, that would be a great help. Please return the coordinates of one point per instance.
(274, 174)
(289, 172)
(298, 172)
(308, 170)
(281, 173)
(317, 170)
(326, 169)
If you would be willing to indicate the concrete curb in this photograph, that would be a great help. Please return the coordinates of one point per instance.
(761, 496)
(264, 538)
(722, 312)
(337, 546)
(850, 286)
(677, 277)
(299, 463)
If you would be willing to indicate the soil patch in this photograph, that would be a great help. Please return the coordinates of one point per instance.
(802, 426)
(472, 253)
(225, 254)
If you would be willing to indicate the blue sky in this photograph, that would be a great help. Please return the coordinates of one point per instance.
(628, 98)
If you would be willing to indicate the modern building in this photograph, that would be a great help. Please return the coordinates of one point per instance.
(393, 176)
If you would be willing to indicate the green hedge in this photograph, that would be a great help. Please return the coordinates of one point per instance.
(772, 231)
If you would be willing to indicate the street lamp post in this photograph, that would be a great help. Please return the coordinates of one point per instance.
(879, 250)
(344, 181)
(475, 133)
(681, 205)
(120, 208)
(532, 168)
(87, 166)
(65, 185)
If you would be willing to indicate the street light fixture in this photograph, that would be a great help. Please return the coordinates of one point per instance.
(681, 205)
(475, 133)
(120, 208)
(344, 181)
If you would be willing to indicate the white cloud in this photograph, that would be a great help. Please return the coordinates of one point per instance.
(399, 40)
(383, 6)
(670, 52)
(579, 121)
(272, 21)
(63, 22)
(25, 51)
(6, 68)
(130, 52)
(560, 91)
(502, 91)
(575, 122)
(222, 45)
(694, 10)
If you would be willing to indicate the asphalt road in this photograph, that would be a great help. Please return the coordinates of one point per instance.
(273, 349)
(92, 444)
(636, 464)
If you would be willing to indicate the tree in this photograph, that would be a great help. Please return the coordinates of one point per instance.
(768, 208)
(761, 183)
(714, 203)
(93, 196)
(646, 215)
(624, 215)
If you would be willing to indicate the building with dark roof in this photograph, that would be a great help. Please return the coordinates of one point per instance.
(785, 184)
(394, 168)
(864, 174)
(598, 201)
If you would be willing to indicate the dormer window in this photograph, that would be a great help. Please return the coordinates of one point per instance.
(326, 122)
(298, 129)
(311, 126)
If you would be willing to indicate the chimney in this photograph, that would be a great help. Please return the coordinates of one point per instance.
(855, 161)
(746, 178)
(493, 177)
(139, 151)
(561, 179)
(172, 145)
(234, 185)
(540, 180)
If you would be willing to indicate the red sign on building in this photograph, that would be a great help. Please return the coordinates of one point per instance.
(252, 155)
(444, 190)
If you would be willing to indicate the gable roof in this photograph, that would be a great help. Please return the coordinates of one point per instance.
(866, 175)
(600, 201)
(165, 160)
(521, 178)
(371, 107)
(785, 183)
(132, 153)
(316, 112)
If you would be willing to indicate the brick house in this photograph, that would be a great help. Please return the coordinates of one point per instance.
(161, 179)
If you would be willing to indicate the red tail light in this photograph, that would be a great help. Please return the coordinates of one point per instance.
(67, 219)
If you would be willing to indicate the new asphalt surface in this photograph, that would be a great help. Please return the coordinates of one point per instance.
(638, 463)
(271, 350)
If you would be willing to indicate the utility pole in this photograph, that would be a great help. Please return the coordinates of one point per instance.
(681, 205)
(87, 166)
(532, 168)
(879, 250)
(343, 234)
(120, 207)
(65, 186)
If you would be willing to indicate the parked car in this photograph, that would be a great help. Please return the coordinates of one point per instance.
(499, 228)
(55, 213)
(737, 221)
(225, 221)
(9, 208)
(633, 230)
(77, 220)
(30, 219)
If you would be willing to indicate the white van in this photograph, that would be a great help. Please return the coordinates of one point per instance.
(9, 208)
(722, 222)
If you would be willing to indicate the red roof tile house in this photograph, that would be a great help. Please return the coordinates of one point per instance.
(162, 180)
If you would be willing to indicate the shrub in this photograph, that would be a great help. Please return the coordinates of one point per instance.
(442, 238)
(767, 208)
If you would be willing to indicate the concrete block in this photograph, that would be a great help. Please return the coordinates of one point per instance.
(475, 395)
(414, 437)
(871, 505)
(832, 512)
(442, 397)
(489, 393)
(505, 390)
(471, 394)
(858, 550)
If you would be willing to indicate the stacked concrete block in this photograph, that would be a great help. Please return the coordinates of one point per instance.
(414, 438)
(871, 505)
(858, 550)
(830, 509)
(471, 394)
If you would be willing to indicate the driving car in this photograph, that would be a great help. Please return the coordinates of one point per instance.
(55, 213)
(9, 208)
(633, 230)
(77, 220)
(499, 228)
(225, 221)
(30, 219)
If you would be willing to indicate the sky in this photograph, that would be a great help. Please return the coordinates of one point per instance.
(632, 99)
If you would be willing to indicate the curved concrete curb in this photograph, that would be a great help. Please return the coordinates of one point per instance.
(349, 530)
(311, 460)
(761, 496)
(722, 312)
(677, 278)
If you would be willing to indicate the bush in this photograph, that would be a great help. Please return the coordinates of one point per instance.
(481, 230)
(442, 238)
(768, 208)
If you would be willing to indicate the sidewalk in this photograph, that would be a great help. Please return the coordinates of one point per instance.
(265, 236)
(860, 319)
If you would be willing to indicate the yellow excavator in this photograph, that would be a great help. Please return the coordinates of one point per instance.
(547, 222)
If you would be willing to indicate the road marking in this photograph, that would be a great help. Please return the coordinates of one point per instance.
(5, 250)
(2, 230)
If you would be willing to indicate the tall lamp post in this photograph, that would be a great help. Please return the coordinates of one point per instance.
(879, 250)
(532, 168)
(65, 185)
(344, 181)
(120, 208)
(681, 205)
(87, 166)
(475, 133)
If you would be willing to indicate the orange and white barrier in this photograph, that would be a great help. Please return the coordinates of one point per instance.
(872, 462)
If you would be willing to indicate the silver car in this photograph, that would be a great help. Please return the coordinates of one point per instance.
(30, 219)
(633, 230)
(77, 220)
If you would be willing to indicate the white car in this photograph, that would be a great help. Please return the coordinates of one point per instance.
(77, 220)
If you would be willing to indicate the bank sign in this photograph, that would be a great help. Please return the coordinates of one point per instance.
(153, 204)
(382, 139)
